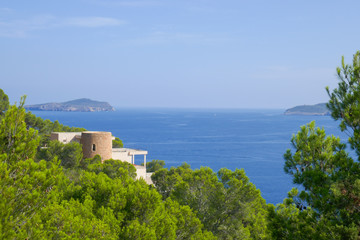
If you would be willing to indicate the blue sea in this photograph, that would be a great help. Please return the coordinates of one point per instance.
(254, 140)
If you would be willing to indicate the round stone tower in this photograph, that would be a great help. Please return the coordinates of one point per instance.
(97, 143)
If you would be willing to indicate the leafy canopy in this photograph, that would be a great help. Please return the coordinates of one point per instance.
(227, 203)
(327, 206)
(83, 200)
(4, 103)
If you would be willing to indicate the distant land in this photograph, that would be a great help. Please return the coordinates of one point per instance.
(315, 110)
(78, 105)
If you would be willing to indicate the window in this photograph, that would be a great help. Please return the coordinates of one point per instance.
(93, 147)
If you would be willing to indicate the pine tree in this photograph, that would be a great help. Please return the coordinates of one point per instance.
(25, 186)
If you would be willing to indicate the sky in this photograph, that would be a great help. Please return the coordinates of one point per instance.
(176, 53)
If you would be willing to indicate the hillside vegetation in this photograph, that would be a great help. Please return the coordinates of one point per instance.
(53, 193)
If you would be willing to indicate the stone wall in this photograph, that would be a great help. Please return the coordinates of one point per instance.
(94, 143)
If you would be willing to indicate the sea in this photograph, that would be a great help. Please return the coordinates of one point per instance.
(251, 139)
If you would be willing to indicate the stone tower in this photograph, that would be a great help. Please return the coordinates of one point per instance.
(97, 143)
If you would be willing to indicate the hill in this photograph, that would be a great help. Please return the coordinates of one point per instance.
(78, 105)
(316, 110)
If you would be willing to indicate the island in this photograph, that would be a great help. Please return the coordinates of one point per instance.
(78, 105)
(314, 110)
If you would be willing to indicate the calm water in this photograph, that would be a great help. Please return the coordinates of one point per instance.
(254, 140)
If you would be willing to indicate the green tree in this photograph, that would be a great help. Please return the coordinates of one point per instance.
(154, 165)
(227, 203)
(344, 102)
(84, 164)
(244, 211)
(112, 168)
(188, 226)
(4, 103)
(25, 186)
(92, 200)
(331, 188)
(70, 155)
(287, 221)
(73, 220)
(17, 142)
(117, 143)
(132, 209)
(330, 195)
(46, 127)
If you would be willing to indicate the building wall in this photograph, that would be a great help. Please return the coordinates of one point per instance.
(121, 154)
(148, 179)
(100, 143)
(94, 143)
(140, 172)
(66, 137)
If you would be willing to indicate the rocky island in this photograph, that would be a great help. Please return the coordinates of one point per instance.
(78, 105)
(314, 110)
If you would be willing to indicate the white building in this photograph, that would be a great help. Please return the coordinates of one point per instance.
(100, 143)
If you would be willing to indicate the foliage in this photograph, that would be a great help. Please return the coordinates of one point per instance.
(46, 127)
(154, 165)
(344, 102)
(92, 200)
(17, 143)
(117, 143)
(69, 154)
(315, 165)
(228, 204)
(287, 221)
(73, 220)
(331, 190)
(188, 225)
(328, 204)
(67, 197)
(25, 186)
(112, 168)
(131, 209)
(4, 103)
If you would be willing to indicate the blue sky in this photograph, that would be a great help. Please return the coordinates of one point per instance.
(176, 53)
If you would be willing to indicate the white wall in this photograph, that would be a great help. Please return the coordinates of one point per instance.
(66, 137)
(141, 172)
(121, 154)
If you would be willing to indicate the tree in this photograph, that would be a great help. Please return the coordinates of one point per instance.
(16, 141)
(46, 127)
(70, 155)
(4, 103)
(112, 168)
(329, 178)
(244, 211)
(132, 209)
(25, 186)
(92, 200)
(117, 143)
(344, 102)
(227, 203)
(73, 220)
(287, 221)
(154, 165)
(330, 195)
